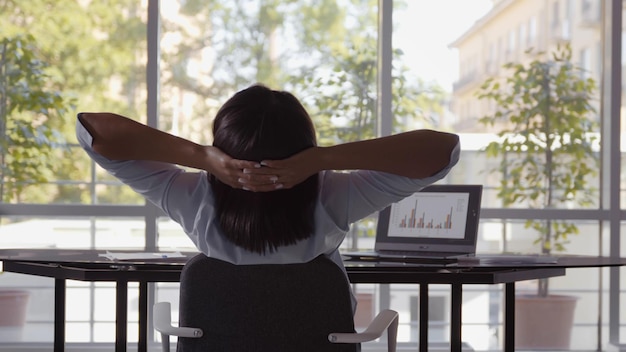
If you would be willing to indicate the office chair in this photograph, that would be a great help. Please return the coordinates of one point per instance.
(287, 307)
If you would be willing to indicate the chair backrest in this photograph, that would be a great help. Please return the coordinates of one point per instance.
(288, 307)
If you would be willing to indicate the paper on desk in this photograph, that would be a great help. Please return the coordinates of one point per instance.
(141, 255)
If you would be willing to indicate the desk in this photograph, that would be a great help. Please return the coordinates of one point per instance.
(86, 265)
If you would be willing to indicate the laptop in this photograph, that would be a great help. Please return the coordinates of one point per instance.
(437, 224)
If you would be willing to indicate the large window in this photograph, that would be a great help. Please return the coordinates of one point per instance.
(58, 58)
(481, 41)
(361, 67)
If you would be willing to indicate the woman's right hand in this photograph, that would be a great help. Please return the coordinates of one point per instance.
(236, 173)
(285, 173)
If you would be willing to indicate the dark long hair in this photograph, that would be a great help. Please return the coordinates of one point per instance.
(256, 124)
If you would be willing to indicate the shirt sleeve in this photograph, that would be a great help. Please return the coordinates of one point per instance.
(349, 197)
(178, 193)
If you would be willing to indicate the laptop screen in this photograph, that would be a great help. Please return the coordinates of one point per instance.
(438, 218)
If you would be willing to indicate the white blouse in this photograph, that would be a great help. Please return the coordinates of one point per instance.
(186, 197)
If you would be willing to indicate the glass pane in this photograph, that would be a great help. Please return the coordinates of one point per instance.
(465, 48)
(463, 51)
(513, 236)
(324, 52)
(44, 232)
(88, 303)
(104, 331)
(171, 235)
(104, 310)
(426, 65)
(60, 58)
(27, 312)
(119, 232)
(69, 232)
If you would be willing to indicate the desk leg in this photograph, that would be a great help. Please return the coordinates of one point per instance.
(423, 318)
(59, 315)
(509, 317)
(121, 316)
(455, 318)
(143, 317)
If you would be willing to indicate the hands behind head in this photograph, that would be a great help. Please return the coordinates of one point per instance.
(268, 175)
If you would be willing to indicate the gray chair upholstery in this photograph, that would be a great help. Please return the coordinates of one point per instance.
(292, 307)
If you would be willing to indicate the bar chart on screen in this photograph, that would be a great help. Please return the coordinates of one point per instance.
(430, 215)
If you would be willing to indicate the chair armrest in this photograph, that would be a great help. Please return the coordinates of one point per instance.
(163, 322)
(386, 319)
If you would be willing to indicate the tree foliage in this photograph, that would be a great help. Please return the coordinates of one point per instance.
(27, 105)
(95, 52)
(547, 129)
(89, 53)
(344, 99)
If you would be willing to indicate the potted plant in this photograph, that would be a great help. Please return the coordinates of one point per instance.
(27, 143)
(545, 116)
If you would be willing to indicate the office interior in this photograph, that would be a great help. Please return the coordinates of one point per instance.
(362, 68)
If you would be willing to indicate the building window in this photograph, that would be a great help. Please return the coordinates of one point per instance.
(556, 16)
(522, 36)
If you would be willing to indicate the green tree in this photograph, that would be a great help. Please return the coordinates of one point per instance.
(239, 43)
(306, 46)
(344, 104)
(93, 52)
(547, 122)
(27, 105)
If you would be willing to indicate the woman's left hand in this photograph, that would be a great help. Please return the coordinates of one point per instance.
(283, 174)
(237, 173)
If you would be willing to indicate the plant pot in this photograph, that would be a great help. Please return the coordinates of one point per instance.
(13, 304)
(544, 323)
(364, 309)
